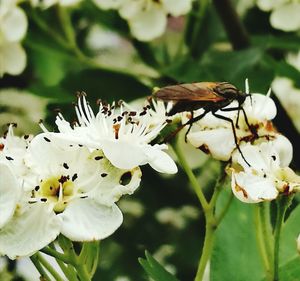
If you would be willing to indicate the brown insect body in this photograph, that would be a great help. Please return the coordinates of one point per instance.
(211, 96)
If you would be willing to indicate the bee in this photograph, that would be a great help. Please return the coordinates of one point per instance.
(211, 97)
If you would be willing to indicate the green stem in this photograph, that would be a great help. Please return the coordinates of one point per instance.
(96, 259)
(53, 253)
(45, 28)
(203, 4)
(69, 270)
(283, 203)
(89, 256)
(259, 222)
(207, 248)
(193, 180)
(264, 209)
(67, 27)
(40, 269)
(49, 268)
(68, 248)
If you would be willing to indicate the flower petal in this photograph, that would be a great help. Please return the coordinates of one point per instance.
(286, 17)
(218, 142)
(284, 149)
(12, 58)
(88, 220)
(252, 189)
(267, 5)
(10, 191)
(108, 4)
(130, 9)
(29, 231)
(177, 8)
(160, 160)
(14, 25)
(260, 107)
(149, 23)
(124, 155)
(263, 158)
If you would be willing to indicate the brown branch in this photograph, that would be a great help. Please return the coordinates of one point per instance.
(235, 30)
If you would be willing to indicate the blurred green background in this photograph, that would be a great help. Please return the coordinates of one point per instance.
(100, 57)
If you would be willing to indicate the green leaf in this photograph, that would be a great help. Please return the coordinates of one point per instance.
(291, 270)
(231, 66)
(101, 84)
(155, 270)
(290, 232)
(283, 42)
(235, 255)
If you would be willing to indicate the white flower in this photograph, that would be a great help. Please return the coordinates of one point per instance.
(22, 112)
(284, 13)
(123, 135)
(268, 173)
(70, 191)
(48, 3)
(10, 193)
(13, 150)
(147, 19)
(287, 92)
(13, 27)
(215, 136)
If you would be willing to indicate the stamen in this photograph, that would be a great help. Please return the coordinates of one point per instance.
(74, 177)
(46, 139)
(98, 158)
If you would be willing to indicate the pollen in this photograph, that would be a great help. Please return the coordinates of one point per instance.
(57, 190)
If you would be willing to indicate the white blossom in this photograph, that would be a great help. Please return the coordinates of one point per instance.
(124, 135)
(147, 19)
(268, 173)
(287, 92)
(215, 136)
(13, 27)
(22, 112)
(284, 13)
(69, 190)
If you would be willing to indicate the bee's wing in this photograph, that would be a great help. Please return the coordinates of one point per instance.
(189, 92)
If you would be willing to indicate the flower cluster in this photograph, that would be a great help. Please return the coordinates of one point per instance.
(284, 13)
(259, 168)
(287, 92)
(147, 19)
(69, 182)
(13, 27)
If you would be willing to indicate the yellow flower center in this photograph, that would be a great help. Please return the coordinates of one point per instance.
(57, 190)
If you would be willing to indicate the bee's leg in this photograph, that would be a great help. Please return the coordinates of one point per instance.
(190, 126)
(245, 116)
(234, 134)
(238, 108)
(193, 120)
(251, 128)
(190, 122)
(237, 119)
